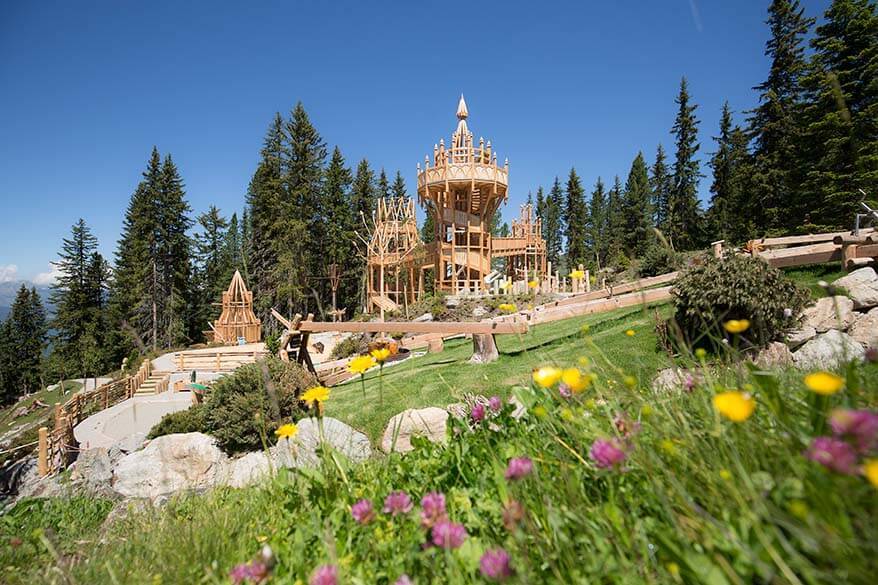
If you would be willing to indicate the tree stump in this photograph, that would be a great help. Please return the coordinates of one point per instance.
(484, 349)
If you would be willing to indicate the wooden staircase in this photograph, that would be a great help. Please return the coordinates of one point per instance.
(156, 383)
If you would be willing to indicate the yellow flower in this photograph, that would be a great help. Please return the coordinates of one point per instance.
(577, 274)
(725, 474)
(547, 376)
(567, 414)
(533, 284)
(287, 431)
(361, 364)
(506, 284)
(630, 333)
(737, 325)
(646, 411)
(668, 446)
(380, 355)
(630, 381)
(573, 379)
(701, 353)
(507, 307)
(585, 329)
(317, 394)
(735, 406)
(870, 470)
(583, 361)
(824, 383)
(673, 569)
(540, 411)
(799, 509)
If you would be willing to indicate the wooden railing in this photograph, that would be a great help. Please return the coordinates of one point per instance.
(57, 446)
(216, 361)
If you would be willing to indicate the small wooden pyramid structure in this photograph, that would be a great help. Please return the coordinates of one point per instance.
(237, 319)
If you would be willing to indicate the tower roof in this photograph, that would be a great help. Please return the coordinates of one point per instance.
(462, 112)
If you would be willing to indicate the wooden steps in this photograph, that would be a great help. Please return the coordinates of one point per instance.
(156, 383)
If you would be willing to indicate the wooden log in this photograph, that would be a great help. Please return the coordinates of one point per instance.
(602, 305)
(803, 255)
(484, 349)
(446, 328)
(43, 452)
(436, 345)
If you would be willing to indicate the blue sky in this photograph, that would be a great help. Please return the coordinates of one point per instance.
(89, 87)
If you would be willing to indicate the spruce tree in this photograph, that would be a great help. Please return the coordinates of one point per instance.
(383, 188)
(213, 262)
(615, 225)
(841, 115)
(554, 226)
(637, 208)
(8, 371)
(338, 246)
(774, 125)
(26, 340)
(398, 188)
(178, 325)
(660, 183)
(684, 227)
(363, 195)
(598, 224)
(718, 214)
(576, 219)
(540, 209)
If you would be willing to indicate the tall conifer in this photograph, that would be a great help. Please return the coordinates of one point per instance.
(684, 226)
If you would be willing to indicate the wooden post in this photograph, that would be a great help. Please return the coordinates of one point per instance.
(484, 349)
(218, 365)
(180, 362)
(717, 248)
(587, 281)
(43, 452)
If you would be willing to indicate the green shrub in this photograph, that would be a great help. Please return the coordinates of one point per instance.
(190, 420)
(353, 345)
(658, 259)
(238, 410)
(739, 287)
(272, 344)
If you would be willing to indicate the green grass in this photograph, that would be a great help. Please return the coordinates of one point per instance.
(50, 397)
(443, 378)
(809, 276)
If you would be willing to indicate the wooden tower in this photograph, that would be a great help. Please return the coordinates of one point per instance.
(525, 248)
(462, 188)
(395, 256)
(237, 319)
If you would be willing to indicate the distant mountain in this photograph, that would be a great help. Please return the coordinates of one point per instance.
(9, 289)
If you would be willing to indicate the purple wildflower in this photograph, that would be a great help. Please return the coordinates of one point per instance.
(253, 572)
(324, 575)
(432, 509)
(494, 565)
(397, 502)
(564, 391)
(607, 453)
(448, 534)
(362, 511)
(861, 426)
(833, 454)
(625, 427)
(495, 403)
(519, 467)
(403, 580)
(689, 383)
(478, 412)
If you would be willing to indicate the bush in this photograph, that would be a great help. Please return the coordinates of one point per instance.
(353, 345)
(190, 420)
(238, 411)
(739, 287)
(657, 260)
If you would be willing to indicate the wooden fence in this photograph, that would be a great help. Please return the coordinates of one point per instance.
(57, 446)
(223, 360)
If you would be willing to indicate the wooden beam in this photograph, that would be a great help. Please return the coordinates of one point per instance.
(445, 328)
(601, 306)
(803, 255)
(615, 290)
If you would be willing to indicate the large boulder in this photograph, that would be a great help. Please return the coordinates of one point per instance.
(674, 379)
(829, 313)
(801, 336)
(93, 470)
(861, 286)
(302, 450)
(169, 464)
(865, 329)
(828, 351)
(774, 355)
(430, 423)
(247, 470)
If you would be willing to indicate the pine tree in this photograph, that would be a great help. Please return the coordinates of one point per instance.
(383, 185)
(773, 125)
(8, 371)
(213, 263)
(540, 210)
(178, 325)
(79, 298)
(26, 340)
(615, 225)
(841, 114)
(576, 219)
(398, 188)
(731, 213)
(428, 228)
(683, 212)
(637, 208)
(660, 185)
(234, 246)
(553, 225)
(338, 247)
(598, 224)
(363, 195)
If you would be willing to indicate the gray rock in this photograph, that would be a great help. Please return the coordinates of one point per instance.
(430, 423)
(480, 311)
(93, 470)
(31, 485)
(865, 329)
(828, 351)
(247, 470)
(775, 355)
(131, 443)
(674, 379)
(861, 286)
(801, 336)
(452, 302)
(425, 318)
(169, 464)
(302, 450)
(829, 313)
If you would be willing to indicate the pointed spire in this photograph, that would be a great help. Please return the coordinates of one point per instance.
(462, 112)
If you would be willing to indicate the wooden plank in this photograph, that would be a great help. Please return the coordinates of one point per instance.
(446, 328)
(601, 306)
(803, 255)
(806, 239)
(616, 290)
